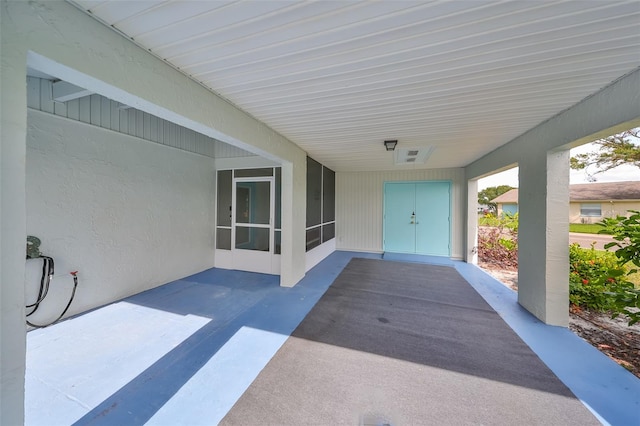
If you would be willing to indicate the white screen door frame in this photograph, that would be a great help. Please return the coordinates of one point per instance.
(242, 231)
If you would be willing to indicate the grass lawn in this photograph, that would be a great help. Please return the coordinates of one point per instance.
(585, 228)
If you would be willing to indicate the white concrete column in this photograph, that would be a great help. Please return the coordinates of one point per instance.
(543, 237)
(294, 190)
(13, 126)
(471, 250)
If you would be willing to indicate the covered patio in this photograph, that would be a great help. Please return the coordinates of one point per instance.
(135, 137)
(186, 352)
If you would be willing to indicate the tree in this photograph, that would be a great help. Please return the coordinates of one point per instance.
(615, 150)
(486, 195)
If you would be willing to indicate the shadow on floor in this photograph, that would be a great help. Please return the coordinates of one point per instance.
(204, 339)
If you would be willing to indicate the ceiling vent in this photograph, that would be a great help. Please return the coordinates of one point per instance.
(412, 155)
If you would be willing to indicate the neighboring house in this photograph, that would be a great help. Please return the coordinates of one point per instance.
(507, 203)
(588, 202)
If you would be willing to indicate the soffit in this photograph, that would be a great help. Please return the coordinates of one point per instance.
(337, 78)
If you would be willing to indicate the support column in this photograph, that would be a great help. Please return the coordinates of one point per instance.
(13, 130)
(543, 237)
(294, 184)
(471, 250)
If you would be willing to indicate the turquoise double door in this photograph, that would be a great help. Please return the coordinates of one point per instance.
(417, 217)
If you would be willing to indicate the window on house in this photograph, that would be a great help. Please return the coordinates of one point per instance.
(223, 225)
(313, 237)
(321, 201)
(590, 209)
(314, 193)
(224, 209)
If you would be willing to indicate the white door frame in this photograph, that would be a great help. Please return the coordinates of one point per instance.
(253, 260)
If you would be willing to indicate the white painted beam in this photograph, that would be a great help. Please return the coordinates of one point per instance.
(541, 153)
(613, 109)
(64, 92)
(471, 249)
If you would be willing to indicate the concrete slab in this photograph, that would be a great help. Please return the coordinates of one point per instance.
(183, 353)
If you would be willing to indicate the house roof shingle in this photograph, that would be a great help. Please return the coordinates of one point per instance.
(587, 192)
(509, 197)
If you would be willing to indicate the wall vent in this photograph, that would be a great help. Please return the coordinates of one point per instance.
(412, 155)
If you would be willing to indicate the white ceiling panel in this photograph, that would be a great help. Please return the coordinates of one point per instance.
(248, 28)
(195, 25)
(340, 77)
(171, 14)
(113, 12)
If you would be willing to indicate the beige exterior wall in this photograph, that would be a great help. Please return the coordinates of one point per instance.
(608, 209)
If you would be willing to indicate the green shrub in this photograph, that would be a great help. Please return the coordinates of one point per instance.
(510, 221)
(488, 219)
(593, 276)
(626, 233)
(508, 243)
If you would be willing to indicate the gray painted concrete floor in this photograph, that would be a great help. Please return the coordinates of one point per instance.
(185, 352)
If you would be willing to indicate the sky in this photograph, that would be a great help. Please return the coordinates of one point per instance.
(619, 174)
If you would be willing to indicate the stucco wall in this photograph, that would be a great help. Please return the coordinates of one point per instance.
(543, 189)
(58, 39)
(359, 206)
(45, 35)
(127, 213)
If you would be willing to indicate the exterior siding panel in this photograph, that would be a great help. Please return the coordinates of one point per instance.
(359, 206)
(108, 114)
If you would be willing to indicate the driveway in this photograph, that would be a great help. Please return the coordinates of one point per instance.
(585, 240)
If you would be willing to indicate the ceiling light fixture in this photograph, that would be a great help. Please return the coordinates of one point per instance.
(390, 145)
